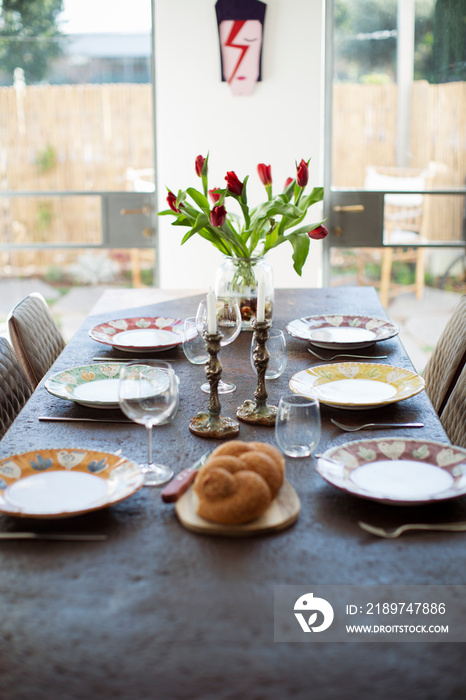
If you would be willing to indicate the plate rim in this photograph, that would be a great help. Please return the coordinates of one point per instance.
(80, 367)
(121, 459)
(131, 348)
(345, 344)
(359, 493)
(356, 406)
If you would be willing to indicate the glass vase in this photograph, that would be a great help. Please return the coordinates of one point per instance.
(239, 278)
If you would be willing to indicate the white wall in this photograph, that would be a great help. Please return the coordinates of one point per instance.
(196, 113)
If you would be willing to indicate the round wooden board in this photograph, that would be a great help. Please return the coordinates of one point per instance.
(282, 513)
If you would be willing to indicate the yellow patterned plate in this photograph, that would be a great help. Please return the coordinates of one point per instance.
(357, 385)
(396, 471)
(59, 483)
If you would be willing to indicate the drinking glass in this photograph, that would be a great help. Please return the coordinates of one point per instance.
(276, 345)
(229, 324)
(148, 394)
(193, 341)
(297, 428)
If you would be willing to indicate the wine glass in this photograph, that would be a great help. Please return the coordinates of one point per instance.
(229, 325)
(148, 394)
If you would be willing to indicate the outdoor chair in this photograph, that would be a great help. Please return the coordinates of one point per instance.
(405, 218)
(453, 416)
(15, 388)
(447, 360)
(35, 336)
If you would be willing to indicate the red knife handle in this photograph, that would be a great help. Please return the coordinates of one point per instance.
(179, 485)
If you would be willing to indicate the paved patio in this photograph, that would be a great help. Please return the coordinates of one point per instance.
(421, 322)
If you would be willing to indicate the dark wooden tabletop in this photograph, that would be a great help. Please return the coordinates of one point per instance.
(156, 611)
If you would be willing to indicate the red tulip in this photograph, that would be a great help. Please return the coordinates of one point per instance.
(171, 199)
(288, 182)
(318, 233)
(218, 216)
(234, 185)
(199, 165)
(214, 194)
(302, 177)
(265, 174)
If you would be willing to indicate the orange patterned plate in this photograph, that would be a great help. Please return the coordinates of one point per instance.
(59, 483)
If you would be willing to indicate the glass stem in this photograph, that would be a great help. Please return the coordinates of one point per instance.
(149, 438)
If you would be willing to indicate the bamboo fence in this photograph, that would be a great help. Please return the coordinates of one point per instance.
(85, 137)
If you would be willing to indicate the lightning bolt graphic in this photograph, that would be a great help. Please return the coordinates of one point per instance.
(237, 26)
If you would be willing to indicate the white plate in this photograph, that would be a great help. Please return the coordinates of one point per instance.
(357, 385)
(396, 471)
(90, 385)
(58, 483)
(93, 385)
(139, 334)
(342, 332)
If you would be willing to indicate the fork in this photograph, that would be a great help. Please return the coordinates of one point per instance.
(374, 426)
(391, 533)
(347, 354)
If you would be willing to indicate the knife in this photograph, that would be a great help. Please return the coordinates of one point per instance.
(46, 536)
(87, 420)
(183, 480)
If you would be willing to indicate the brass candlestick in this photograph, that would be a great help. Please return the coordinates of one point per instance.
(212, 424)
(259, 412)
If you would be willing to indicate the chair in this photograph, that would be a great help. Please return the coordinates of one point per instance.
(15, 388)
(447, 360)
(35, 336)
(454, 414)
(405, 218)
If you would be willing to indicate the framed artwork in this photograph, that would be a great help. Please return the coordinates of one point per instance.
(240, 30)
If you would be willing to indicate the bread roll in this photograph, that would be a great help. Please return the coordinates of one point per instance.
(232, 447)
(239, 481)
(243, 497)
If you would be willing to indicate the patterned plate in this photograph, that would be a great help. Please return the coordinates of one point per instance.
(342, 332)
(357, 385)
(141, 334)
(396, 471)
(58, 483)
(90, 385)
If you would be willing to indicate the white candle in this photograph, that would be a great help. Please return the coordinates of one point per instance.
(211, 312)
(260, 312)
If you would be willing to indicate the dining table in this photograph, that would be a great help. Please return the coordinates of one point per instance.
(158, 611)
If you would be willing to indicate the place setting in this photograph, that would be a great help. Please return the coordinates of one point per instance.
(339, 332)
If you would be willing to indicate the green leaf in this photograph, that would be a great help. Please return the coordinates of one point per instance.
(199, 199)
(300, 245)
(244, 197)
(305, 229)
(316, 195)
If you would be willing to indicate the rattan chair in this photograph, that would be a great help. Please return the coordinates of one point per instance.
(447, 361)
(35, 336)
(453, 416)
(15, 388)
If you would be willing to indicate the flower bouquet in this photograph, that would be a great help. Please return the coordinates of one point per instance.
(246, 235)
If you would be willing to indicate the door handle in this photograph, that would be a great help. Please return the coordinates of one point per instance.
(348, 207)
(142, 210)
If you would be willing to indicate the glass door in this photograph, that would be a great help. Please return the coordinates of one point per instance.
(395, 152)
(77, 165)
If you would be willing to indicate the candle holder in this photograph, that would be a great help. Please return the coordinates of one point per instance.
(211, 424)
(259, 412)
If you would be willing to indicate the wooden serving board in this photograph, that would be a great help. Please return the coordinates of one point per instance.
(282, 513)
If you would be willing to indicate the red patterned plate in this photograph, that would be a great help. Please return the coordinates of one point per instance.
(140, 334)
